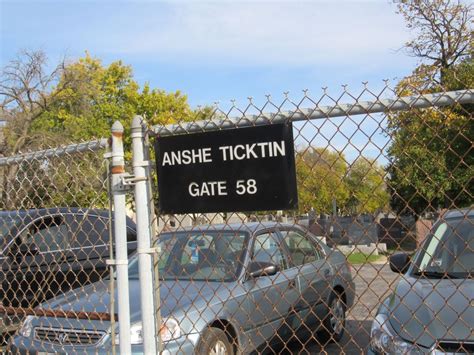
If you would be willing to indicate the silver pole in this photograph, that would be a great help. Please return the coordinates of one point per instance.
(144, 251)
(120, 229)
(111, 247)
(154, 241)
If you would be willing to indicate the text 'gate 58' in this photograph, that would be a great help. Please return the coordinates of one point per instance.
(245, 169)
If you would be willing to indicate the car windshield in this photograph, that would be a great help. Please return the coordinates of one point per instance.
(449, 250)
(200, 256)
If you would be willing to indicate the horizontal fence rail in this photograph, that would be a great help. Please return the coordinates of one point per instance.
(338, 110)
(56, 152)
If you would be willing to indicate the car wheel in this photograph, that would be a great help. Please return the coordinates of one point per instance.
(214, 342)
(335, 321)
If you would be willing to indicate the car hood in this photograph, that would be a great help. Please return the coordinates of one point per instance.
(176, 297)
(423, 311)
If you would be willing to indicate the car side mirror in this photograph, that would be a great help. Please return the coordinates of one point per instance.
(262, 268)
(400, 262)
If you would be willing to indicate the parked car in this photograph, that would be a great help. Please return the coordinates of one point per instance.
(46, 252)
(431, 310)
(223, 289)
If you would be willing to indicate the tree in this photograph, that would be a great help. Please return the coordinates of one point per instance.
(101, 95)
(76, 101)
(320, 179)
(25, 93)
(431, 162)
(442, 30)
(367, 187)
(324, 176)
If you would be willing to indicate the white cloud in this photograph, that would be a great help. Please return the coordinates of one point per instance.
(268, 32)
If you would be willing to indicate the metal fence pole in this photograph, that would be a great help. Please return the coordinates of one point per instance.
(120, 229)
(144, 250)
(111, 253)
(154, 241)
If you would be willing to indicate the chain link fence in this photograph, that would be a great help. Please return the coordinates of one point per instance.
(56, 238)
(375, 170)
(377, 258)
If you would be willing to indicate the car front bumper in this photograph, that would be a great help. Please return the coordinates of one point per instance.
(25, 346)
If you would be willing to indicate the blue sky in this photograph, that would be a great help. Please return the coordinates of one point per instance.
(217, 51)
(222, 50)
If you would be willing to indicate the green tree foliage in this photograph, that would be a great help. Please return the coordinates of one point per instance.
(431, 154)
(320, 174)
(431, 158)
(324, 176)
(98, 95)
(77, 101)
(367, 187)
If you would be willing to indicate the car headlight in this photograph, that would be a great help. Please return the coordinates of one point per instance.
(169, 330)
(384, 340)
(26, 327)
(136, 334)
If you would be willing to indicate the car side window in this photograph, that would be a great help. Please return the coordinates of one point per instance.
(267, 249)
(88, 230)
(302, 250)
(47, 234)
(93, 231)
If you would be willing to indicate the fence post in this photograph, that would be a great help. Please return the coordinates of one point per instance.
(144, 251)
(120, 229)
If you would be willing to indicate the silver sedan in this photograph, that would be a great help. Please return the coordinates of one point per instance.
(224, 289)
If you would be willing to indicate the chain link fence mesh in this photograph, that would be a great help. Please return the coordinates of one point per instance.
(56, 238)
(375, 171)
(384, 181)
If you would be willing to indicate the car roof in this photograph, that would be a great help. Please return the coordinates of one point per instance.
(250, 227)
(31, 214)
(38, 212)
(459, 213)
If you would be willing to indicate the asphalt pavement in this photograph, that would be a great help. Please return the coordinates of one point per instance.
(373, 282)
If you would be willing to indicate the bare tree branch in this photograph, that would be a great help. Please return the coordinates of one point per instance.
(25, 93)
(442, 29)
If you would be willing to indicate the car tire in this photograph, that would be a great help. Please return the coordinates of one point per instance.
(214, 342)
(332, 328)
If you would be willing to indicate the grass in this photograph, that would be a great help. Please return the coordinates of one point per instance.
(361, 258)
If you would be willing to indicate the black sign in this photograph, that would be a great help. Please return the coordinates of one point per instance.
(243, 169)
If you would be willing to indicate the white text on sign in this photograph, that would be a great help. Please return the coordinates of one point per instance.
(227, 153)
(219, 188)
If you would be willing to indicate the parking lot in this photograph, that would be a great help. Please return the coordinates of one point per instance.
(373, 284)
(73, 215)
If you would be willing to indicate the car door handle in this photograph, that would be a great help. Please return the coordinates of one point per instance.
(291, 284)
(326, 273)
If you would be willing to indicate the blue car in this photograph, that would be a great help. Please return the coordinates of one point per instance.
(224, 289)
